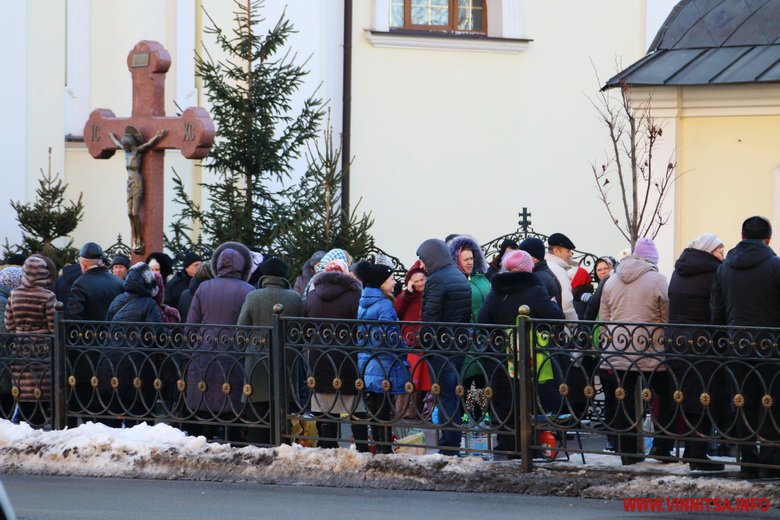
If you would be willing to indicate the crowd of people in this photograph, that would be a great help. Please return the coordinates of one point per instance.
(451, 281)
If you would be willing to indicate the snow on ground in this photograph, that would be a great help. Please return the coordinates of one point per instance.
(164, 452)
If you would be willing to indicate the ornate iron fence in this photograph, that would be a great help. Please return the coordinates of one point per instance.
(494, 389)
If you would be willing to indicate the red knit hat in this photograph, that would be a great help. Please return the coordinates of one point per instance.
(581, 277)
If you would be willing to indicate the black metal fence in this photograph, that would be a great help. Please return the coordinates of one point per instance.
(531, 390)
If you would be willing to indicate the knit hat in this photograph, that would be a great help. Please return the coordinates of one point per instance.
(361, 270)
(274, 267)
(120, 260)
(377, 275)
(189, 259)
(581, 277)
(645, 248)
(333, 254)
(91, 251)
(517, 262)
(11, 277)
(561, 240)
(534, 247)
(708, 242)
(337, 265)
(17, 259)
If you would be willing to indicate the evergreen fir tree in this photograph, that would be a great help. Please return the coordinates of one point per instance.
(48, 218)
(258, 138)
(314, 208)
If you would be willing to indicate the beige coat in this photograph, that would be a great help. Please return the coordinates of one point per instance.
(636, 293)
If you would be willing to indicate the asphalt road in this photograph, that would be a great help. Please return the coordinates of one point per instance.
(62, 498)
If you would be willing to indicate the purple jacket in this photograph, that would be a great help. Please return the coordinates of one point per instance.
(218, 302)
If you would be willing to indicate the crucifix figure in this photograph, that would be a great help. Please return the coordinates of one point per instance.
(131, 144)
(192, 133)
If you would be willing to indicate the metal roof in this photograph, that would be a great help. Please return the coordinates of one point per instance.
(711, 42)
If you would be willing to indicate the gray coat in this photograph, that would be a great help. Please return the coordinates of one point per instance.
(258, 312)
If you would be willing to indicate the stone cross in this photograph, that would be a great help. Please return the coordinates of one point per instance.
(192, 133)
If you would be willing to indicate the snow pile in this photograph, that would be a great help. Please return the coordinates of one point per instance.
(164, 452)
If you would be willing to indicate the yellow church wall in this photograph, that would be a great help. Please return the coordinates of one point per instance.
(727, 166)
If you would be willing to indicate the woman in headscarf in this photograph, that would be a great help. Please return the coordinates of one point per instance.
(302, 280)
(689, 302)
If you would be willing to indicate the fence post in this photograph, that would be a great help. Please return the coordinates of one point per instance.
(524, 376)
(58, 370)
(276, 361)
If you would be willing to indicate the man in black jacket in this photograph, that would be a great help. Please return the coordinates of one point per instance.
(95, 289)
(746, 292)
(90, 297)
(446, 298)
(535, 248)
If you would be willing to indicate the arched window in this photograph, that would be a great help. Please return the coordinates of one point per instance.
(469, 16)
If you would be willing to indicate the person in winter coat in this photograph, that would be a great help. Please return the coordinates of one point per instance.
(201, 275)
(513, 287)
(376, 361)
(94, 290)
(408, 306)
(470, 260)
(559, 253)
(170, 314)
(447, 298)
(689, 303)
(30, 310)
(64, 283)
(637, 292)
(495, 265)
(746, 292)
(219, 302)
(258, 311)
(335, 294)
(10, 279)
(160, 263)
(181, 280)
(333, 254)
(308, 270)
(535, 247)
(127, 359)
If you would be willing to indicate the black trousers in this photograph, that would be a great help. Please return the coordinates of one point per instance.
(622, 417)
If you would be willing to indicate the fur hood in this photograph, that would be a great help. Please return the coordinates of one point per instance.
(330, 285)
(140, 281)
(465, 241)
(240, 264)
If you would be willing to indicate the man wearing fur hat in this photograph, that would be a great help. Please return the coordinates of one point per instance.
(559, 252)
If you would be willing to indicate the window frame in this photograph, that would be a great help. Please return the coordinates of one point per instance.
(451, 27)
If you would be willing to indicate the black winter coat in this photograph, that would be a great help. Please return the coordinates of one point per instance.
(689, 302)
(746, 290)
(549, 280)
(334, 295)
(511, 290)
(447, 294)
(175, 286)
(594, 304)
(91, 295)
(690, 287)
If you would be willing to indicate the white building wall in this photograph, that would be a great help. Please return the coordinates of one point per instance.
(458, 142)
(13, 130)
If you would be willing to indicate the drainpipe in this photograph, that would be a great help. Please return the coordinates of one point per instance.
(346, 123)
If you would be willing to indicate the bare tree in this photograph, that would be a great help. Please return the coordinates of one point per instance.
(631, 165)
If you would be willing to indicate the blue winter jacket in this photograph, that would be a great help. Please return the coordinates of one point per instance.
(384, 360)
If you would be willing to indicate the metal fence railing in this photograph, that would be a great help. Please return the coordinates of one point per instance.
(524, 391)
